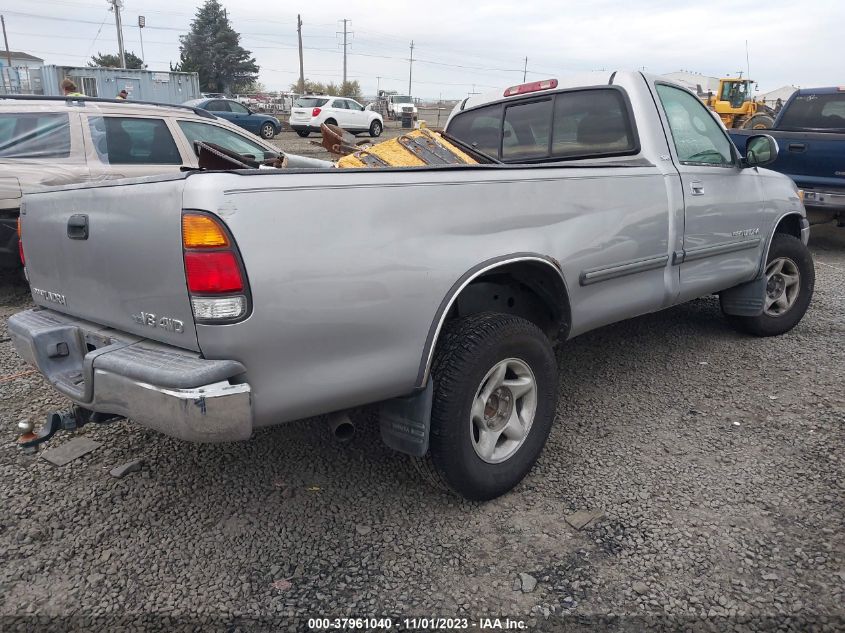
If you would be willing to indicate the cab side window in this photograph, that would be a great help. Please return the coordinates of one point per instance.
(481, 129)
(592, 123)
(698, 138)
(133, 141)
(34, 135)
(218, 106)
(527, 130)
(564, 126)
(195, 131)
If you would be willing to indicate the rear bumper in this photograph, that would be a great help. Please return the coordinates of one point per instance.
(164, 388)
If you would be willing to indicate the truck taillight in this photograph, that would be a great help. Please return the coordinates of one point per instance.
(316, 112)
(534, 86)
(213, 270)
(20, 243)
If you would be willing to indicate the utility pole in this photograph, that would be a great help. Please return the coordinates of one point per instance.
(525, 70)
(142, 22)
(301, 67)
(344, 48)
(411, 68)
(378, 85)
(116, 6)
(6, 42)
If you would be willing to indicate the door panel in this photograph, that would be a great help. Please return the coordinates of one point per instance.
(723, 202)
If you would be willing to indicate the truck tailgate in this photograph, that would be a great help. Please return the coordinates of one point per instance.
(112, 254)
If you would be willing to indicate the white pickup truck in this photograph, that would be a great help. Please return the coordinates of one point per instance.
(207, 304)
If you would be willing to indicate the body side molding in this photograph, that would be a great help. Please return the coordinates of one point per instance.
(604, 273)
(693, 254)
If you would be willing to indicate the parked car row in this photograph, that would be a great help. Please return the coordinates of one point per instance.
(50, 142)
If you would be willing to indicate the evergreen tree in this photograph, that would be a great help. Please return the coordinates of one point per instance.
(107, 60)
(212, 49)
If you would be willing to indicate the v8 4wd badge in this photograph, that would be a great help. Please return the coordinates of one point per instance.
(149, 319)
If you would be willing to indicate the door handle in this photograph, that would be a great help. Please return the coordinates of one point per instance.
(696, 187)
(797, 147)
(77, 227)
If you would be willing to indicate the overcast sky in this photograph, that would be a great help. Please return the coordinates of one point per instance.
(468, 45)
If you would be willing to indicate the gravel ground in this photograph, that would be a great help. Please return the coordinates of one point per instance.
(714, 462)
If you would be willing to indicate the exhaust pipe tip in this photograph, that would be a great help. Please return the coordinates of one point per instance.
(341, 427)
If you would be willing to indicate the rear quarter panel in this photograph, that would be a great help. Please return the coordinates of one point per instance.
(348, 269)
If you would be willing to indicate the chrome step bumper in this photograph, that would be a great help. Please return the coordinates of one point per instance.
(164, 388)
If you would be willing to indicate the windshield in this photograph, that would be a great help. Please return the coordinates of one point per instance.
(816, 112)
(402, 99)
(310, 102)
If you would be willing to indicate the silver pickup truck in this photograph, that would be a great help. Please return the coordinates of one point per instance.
(209, 304)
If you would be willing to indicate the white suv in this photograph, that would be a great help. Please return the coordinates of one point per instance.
(311, 111)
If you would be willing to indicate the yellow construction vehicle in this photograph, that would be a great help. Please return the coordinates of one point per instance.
(735, 106)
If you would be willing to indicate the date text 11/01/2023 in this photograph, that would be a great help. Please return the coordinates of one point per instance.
(416, 624)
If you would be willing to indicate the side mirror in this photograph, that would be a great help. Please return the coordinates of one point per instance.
(760, 150)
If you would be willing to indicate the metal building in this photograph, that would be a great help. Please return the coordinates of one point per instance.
(142, 85)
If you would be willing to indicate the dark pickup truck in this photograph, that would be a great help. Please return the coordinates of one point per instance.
(810, 131)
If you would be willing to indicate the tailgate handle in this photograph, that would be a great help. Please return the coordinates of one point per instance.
(77, 227)
(797, 147)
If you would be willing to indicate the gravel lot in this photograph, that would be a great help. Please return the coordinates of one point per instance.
(714, 460)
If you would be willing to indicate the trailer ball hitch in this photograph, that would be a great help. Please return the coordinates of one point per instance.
(56, 421)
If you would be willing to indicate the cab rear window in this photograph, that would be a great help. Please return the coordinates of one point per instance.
(310, 102)
(815, 112)
(34, 135)
(568, 125)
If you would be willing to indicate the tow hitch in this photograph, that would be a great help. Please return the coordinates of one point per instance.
(56, 421)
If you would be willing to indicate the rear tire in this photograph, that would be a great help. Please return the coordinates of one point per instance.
(268, 131)
(483, 444)
(303, 133)
(789, 289)
(330, 122)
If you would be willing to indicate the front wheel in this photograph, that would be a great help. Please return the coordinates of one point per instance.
(495, 393)
(790, 279)
(375, 129)
(268, 131)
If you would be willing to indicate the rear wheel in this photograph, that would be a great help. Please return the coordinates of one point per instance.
(330, 122)
(375, 129)
(790, 278)
(495, 392)
(303, 133)
(268, 130)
